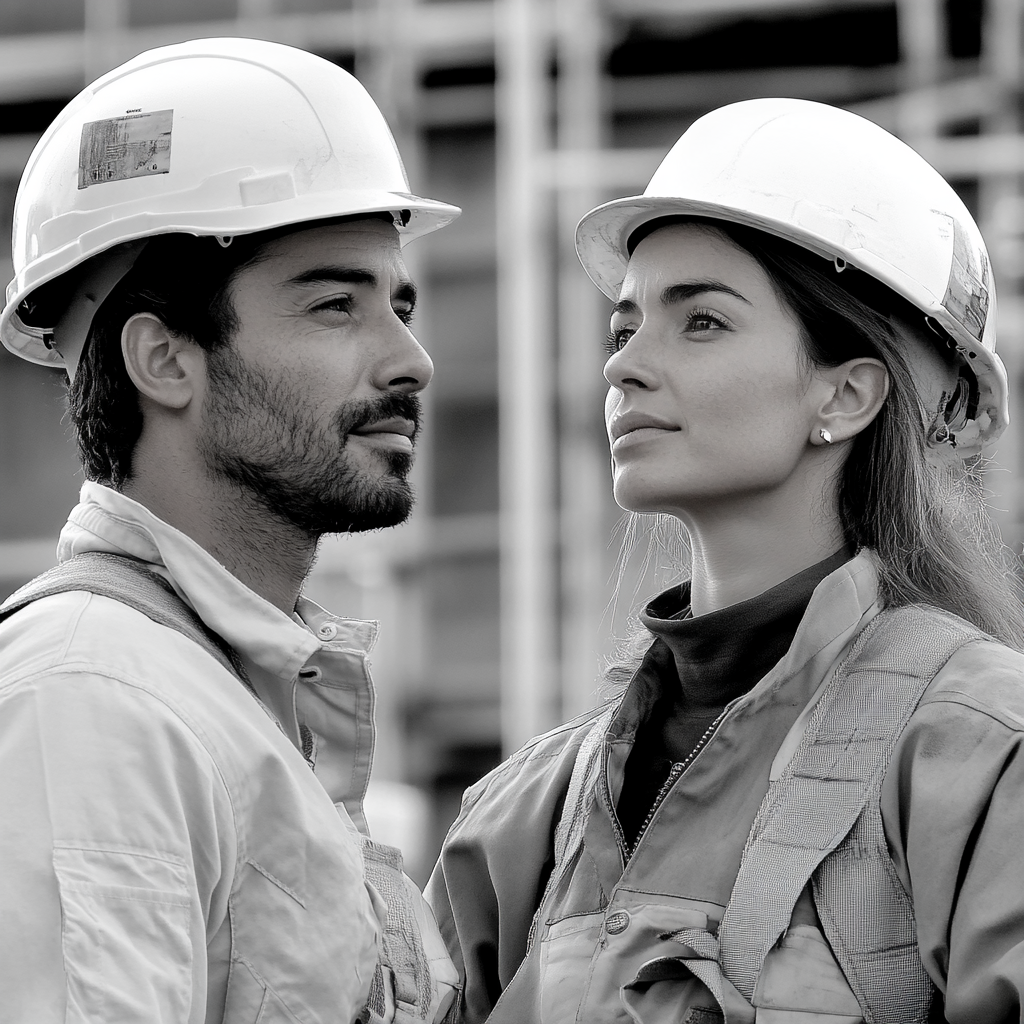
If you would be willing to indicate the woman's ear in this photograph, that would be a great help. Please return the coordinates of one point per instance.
(860, 388)
(162, 365)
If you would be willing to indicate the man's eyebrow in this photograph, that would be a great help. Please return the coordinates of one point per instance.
(404, 292)
(335, 275)
(682, 292)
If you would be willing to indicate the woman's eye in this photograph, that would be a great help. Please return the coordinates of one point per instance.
(702, 320)
(616, 340)
(405, 315)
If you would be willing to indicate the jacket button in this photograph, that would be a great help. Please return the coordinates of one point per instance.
(328, 631)
(617, 922)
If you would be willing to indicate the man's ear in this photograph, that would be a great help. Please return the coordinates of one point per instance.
(162, 365)
(860, 388)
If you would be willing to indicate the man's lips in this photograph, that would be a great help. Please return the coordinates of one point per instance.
(397, 432)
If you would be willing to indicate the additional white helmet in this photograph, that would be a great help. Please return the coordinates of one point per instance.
(210, 137)
(840, 186)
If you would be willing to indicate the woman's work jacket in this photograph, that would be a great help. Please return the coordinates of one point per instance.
(749, 896)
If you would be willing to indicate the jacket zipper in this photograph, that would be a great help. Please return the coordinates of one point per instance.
(675, 772)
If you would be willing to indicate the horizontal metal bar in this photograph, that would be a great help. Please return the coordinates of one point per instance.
(959, 100)
(598, 168)
(973, 156)
(53, 64)
(727, 8)
(700, 91)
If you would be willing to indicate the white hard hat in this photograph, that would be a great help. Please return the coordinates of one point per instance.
(840, 186)
(210, 137)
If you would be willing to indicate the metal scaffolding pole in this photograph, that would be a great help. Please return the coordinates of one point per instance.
(921, 26)
(1001, 213)
(583, 463)
(526, 371)
(105, 23)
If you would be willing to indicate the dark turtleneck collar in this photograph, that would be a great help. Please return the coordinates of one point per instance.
(722, 654)
(695, 667)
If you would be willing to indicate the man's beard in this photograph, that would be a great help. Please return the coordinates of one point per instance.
(295, 465)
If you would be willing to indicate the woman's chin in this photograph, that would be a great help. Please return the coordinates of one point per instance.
(642, 501)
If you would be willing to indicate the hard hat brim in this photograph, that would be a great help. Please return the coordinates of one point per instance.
(415, 216)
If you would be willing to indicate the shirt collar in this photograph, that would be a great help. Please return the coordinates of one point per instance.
(106, 520)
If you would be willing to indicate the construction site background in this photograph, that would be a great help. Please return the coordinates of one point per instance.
(497, 600)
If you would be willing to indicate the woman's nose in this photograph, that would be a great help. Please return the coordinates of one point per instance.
(626, 368)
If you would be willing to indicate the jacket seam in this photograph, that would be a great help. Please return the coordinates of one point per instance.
(969, 701)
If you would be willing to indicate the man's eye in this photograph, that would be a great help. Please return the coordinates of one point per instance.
(340, 304)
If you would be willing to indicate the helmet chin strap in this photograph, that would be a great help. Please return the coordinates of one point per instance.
(72, 329)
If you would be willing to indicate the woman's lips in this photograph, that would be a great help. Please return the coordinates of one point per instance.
(639, 435)
(634, 428)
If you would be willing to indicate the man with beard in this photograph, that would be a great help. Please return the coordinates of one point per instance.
(209, 240)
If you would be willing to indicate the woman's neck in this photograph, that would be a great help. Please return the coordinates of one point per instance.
(742, 551)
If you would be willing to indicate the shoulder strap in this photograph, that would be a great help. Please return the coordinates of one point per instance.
(841, 760)
(132, 583)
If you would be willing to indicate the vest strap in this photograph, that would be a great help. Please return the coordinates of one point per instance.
(132, 583)
(833, 779)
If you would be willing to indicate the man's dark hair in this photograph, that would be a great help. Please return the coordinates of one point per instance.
(184, 281)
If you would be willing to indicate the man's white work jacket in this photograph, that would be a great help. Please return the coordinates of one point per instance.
(166, 854)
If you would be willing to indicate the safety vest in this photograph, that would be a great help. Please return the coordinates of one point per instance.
(817, 838)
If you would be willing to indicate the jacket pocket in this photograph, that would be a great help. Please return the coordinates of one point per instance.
(801, 983)
(250, 999)
(125, 934)
(566, 955)
(299, 952)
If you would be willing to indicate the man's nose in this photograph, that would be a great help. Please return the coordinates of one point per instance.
(407, 367)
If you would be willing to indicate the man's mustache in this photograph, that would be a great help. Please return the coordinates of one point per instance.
(356, 415)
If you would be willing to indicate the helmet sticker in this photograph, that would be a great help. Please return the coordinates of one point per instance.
(967, 293)
(132, 146)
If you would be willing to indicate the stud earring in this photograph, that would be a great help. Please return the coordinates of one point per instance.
(825, 435)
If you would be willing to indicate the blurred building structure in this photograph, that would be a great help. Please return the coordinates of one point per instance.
(494, 599)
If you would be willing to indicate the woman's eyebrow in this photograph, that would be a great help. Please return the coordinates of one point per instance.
(682, 292)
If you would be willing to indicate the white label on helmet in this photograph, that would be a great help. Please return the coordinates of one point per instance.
(125, 147)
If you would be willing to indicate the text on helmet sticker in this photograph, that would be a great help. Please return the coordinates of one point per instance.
(125, 147)
(967, 293)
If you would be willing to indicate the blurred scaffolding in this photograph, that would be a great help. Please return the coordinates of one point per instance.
(494, 598)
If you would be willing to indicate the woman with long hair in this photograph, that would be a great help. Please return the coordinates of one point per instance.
(805, 804)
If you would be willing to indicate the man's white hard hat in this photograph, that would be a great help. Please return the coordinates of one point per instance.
(842, 187)
(217, 137)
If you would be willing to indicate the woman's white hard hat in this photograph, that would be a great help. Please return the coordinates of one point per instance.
(217, 137)
(842, 187)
